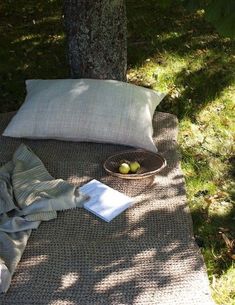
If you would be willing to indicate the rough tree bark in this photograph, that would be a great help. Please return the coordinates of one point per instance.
(96, 36)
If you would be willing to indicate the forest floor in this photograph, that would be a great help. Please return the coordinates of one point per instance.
(170, 50)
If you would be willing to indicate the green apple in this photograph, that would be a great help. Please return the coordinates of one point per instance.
(124, 168)
(134, 166)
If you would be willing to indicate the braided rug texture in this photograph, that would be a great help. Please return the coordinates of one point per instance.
(145, 256)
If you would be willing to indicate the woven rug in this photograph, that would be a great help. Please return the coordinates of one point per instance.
(147, 255)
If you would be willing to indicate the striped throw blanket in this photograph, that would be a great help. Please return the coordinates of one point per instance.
(28, 195)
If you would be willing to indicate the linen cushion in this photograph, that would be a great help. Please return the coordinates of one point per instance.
(87, 110)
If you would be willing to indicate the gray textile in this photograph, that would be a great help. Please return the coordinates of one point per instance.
(28, 195)
(147, 255)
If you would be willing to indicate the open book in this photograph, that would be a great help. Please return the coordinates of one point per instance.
(105, 202)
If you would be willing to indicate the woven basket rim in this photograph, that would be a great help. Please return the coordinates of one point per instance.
(135, 176)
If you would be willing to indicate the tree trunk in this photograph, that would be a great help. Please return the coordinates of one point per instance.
(96, 35)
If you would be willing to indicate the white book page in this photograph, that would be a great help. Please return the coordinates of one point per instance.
(104, 201)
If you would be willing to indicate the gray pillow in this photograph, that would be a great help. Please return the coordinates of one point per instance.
(87, 110)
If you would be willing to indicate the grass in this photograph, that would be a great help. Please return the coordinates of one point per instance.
(171, 50)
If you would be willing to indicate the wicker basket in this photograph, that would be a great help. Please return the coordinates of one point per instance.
(150, 163)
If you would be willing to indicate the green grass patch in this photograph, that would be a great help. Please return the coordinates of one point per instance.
(169, 49)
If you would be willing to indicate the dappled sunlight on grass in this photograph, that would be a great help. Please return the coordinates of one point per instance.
(196, 67)
(223, 289)
(32, 46)
(180, 54)
(201, 92)
(26, 37)
(169, 50)
(189, 81)
(36, 39)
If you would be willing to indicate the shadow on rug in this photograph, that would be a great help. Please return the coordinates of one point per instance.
(147, 255)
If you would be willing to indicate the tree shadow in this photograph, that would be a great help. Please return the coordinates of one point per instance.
(153, 29)
(157, 32)
(32, 47)
(121, 262)
(208, 236)
(199, 89)
(99, 271)
(145, 255)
